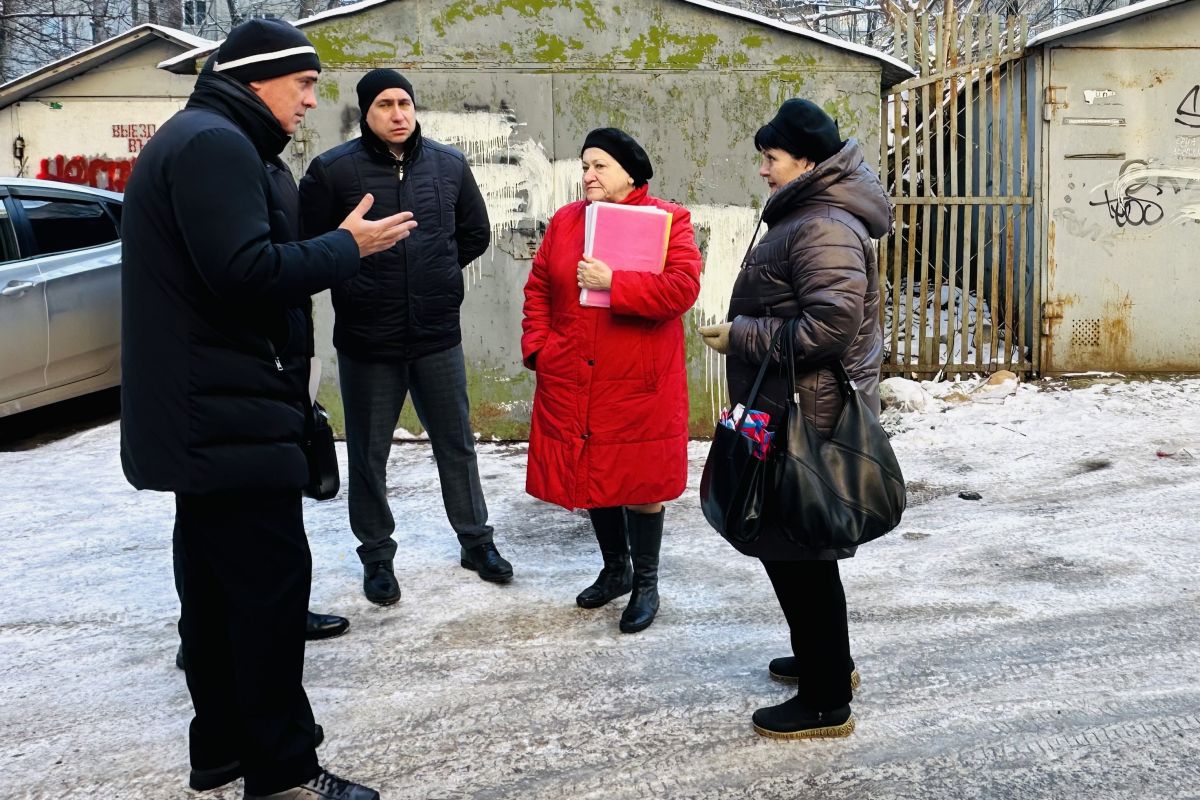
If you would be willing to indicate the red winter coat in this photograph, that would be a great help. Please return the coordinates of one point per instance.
(610, 413)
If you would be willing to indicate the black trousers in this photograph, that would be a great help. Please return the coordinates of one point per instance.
(245, 572)
(814, 603)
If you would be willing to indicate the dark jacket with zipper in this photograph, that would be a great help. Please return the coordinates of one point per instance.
(817, 264)
(215, 327)
(404, 302)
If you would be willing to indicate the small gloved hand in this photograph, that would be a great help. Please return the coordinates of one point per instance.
(716, 336)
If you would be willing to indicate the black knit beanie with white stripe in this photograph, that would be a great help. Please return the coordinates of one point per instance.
(262, 49)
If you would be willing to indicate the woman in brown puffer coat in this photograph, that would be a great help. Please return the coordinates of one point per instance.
(816, 264)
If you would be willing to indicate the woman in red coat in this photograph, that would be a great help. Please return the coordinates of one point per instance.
(610, 413)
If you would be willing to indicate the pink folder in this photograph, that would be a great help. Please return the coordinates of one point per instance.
(626, 238)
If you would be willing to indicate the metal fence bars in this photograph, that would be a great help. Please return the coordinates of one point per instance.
(959, 272)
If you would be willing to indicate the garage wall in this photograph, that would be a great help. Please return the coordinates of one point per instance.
(89, 129)
(1122, 161)
(516, 86)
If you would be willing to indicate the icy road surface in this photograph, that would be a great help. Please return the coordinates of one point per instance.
(1041, 642)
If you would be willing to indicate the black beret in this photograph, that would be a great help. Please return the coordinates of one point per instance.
(621, 146)
(262, 49)
(805, 126)
(376, 81)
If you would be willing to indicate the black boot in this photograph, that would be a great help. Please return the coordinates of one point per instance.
(795, 720)
(645, 540)
(380, 584)
(616, 577)
(487, 561)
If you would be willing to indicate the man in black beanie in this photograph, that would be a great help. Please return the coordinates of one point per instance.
(397, 322)
(272, 47)
(215, 349)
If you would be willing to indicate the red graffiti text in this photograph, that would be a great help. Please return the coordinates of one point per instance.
(103, 173)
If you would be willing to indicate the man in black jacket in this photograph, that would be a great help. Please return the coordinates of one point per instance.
(215, 357)
(396, 325)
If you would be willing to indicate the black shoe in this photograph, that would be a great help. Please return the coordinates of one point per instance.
(645, 541)
(325, 786)
(616, 578)
(204, 779)
(787, 670)
(379, 583)
(794, 720)
(487, 561)
(325, 626)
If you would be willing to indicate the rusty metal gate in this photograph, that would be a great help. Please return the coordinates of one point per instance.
(958, 275)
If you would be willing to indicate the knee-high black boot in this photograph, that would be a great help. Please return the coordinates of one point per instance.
(616, 578)
(645, 540)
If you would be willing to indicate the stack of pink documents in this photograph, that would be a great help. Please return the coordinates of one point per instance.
(626, 238)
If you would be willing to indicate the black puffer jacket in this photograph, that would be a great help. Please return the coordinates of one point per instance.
(404, 302)
(816, 263)
(215, 334)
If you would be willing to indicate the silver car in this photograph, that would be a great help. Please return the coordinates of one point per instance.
(60, 292)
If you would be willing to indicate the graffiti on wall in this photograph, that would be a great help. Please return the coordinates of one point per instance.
(1074, 225)
(1130, 208)
(134, 135)
(1133, 197)
(99, 171)
(1188, 110)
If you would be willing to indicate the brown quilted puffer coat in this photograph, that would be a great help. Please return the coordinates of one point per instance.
(817, 262)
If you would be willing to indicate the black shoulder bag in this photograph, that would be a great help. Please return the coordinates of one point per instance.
(842, 491)
(323, 478)
(734, 484)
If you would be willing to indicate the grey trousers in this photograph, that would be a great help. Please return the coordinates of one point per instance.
(373, 395)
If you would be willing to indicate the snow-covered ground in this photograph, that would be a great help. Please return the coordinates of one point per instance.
(1040, 642)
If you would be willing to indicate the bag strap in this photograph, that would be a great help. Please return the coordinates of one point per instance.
(789, 356)
(762, 373)
(750, 247)
(849, 387)
(845, 382)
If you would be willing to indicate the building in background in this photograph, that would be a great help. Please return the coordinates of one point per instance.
(85, 118)
(1120, 193)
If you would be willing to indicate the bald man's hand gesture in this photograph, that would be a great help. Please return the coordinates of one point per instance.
(375, 236)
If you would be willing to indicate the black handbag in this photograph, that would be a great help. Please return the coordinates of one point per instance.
(735, 484)
(323, 478)
(838, 492)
